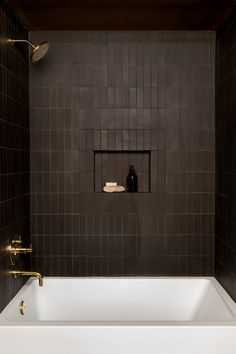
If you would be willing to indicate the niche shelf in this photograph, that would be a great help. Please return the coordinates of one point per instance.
(113, 166)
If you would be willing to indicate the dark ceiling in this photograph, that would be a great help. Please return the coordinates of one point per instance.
(123, 14)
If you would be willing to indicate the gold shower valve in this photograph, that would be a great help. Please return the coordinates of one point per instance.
(15, 247)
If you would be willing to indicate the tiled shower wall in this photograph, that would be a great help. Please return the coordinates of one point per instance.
(226, 156)
(123, 91)
(14, 149)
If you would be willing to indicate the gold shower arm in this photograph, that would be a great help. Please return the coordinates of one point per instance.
(21, 41)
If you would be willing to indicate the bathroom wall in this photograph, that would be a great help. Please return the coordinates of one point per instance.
(14, 149)
(104, 99)
(226, 156)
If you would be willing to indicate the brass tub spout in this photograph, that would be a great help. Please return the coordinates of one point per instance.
(18, 273)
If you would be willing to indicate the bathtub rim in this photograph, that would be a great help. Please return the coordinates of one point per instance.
(188, 323)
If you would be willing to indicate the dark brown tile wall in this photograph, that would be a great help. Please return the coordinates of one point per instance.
(122, 91)
(14, 148)
(226, 156)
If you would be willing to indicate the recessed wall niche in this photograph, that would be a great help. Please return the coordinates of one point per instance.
(113, 166)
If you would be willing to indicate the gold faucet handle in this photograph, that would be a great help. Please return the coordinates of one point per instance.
(17, 241)
(16, 248)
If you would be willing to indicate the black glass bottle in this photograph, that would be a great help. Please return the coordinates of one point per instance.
(132, 181)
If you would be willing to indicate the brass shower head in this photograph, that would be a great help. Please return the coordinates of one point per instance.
(38, 51)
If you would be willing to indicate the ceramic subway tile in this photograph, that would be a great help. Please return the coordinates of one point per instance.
(123, 104)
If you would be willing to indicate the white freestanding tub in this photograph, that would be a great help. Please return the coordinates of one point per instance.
(120, 316)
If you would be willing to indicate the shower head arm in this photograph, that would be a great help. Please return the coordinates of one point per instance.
(21, 41)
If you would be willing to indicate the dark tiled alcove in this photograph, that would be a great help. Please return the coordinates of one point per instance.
(143, 97)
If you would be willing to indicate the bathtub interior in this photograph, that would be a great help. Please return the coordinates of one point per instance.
(122, 299)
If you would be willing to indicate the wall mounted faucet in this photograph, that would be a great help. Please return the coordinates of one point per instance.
(18, 273)
(15, 249)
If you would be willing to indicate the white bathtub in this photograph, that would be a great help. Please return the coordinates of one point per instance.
(120, 316)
